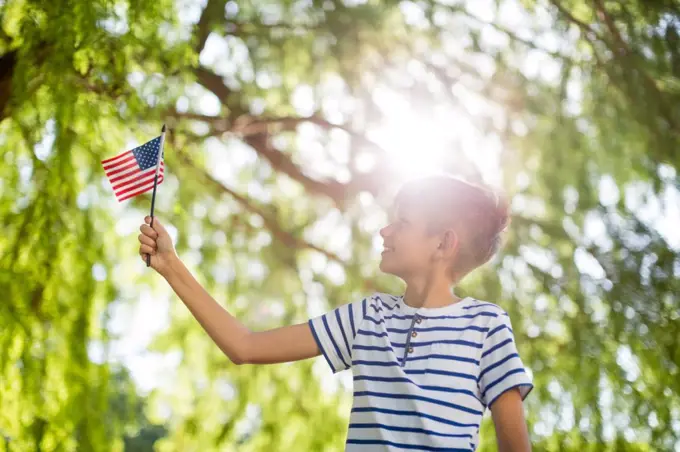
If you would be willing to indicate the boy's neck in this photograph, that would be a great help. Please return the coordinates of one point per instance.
(434, 293)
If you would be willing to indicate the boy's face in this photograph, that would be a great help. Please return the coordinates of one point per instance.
(409, 248)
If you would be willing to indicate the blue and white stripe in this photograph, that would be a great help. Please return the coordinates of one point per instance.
(422, 377)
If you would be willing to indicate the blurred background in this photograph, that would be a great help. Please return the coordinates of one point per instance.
(291, 124)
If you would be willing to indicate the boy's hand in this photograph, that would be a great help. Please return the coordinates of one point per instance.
(157, 242)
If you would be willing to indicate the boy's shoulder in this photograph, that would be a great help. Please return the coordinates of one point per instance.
(475, 305)
(384, 297)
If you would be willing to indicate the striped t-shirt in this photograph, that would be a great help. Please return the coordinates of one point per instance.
(422, 376)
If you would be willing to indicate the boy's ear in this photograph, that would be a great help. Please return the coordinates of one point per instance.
(448, 246)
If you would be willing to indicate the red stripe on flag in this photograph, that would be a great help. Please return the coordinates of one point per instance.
(104, 162)
(148, 177)
(118, 163)
(125, 174)
(121, 169)
(140, 191)
(113, 180)
(128, 174)
(135, 179)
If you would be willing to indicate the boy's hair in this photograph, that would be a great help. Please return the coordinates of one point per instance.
(477, 213)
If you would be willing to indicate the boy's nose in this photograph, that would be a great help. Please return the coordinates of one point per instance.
(384, 232)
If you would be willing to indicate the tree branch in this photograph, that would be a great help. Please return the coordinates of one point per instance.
(213, 83)
(257, 134)
(514, 36)
(632, 60)
(260, 141)
(571, 18)
(212, 13)
(623, 48)
(281, 162)
(249, 125)
(251, 28)
(246, 125)
(8, 63)
(283, 236)
(254, 126)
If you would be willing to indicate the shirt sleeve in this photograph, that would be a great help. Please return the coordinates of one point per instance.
(501, 367)
(335, 331)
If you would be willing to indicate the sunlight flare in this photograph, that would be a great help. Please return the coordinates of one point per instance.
(426, 141)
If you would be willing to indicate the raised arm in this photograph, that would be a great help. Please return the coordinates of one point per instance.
(289, 343)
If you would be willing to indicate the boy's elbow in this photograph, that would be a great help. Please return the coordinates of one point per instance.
(236, 357)
(238, 360)
(241, 353)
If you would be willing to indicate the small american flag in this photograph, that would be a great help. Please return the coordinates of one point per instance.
(132, 173)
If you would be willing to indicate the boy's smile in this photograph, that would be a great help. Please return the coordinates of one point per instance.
(387, 249)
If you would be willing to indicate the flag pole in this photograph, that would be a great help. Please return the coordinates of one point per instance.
(155, 184)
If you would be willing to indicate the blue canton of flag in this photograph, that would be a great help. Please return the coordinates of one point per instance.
(132, 173)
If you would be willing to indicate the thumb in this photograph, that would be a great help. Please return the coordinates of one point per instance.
(157, 226)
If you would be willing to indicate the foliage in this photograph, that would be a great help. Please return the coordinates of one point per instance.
(271, 107)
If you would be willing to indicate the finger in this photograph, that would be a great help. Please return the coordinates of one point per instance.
(145, 240)
(147, 231)
(157, 225)
(146, 249)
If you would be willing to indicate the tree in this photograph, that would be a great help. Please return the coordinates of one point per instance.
(272, 108)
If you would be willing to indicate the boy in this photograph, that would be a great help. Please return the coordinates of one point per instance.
(426, 364)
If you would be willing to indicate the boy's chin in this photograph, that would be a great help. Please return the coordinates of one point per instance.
(389, 268)
(384, 267)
